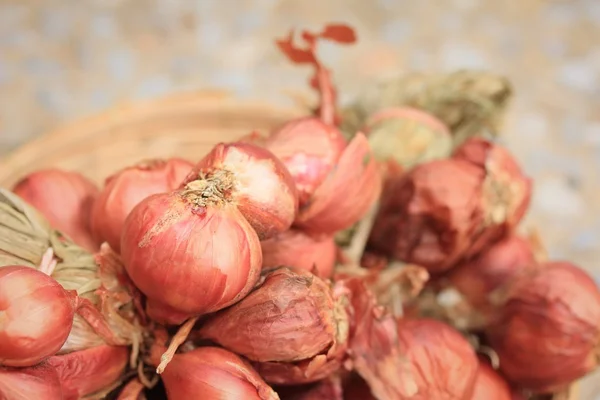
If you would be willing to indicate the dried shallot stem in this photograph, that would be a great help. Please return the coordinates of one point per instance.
(491, 355)
(356, 248)
(48, 262)
(178, 339)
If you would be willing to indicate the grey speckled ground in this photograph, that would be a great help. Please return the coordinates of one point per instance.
(63, 59)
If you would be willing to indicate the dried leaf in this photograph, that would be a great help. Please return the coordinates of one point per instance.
(339, 33)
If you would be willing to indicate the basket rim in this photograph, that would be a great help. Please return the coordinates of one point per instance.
(215, 98)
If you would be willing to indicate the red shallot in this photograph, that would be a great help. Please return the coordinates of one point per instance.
(252, 179)
(65, 199)
(125, 189)
(547, 330)
(477, 278)
(489, 385)
(292, 325)
(296, 248)
(36, 315)
(37, 382)
(443, 363)
(191, 250)
(214, 373)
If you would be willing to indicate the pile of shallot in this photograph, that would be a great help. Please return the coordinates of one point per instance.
(305, 263)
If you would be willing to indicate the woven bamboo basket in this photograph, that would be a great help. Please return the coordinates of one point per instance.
(184, 125)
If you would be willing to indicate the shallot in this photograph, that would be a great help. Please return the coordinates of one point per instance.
(296, 248)
(477, 278)
(442, 362)
(37, 315)
(291, 325)
(125, 189)
(547, 330)
(191, 251)
(65, 199)
(252, 179)
(214, 373)
(489, 385)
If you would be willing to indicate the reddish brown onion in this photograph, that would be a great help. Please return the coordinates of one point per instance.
(489, 385)
(291, 324)
(443, 364)
(125, 189)
(88, 371)
(491, 269)
(214, 373)
(191, 251)
(296, 248)
(547, 331)
(429, 215)
(310, 149)
(255, 181)
(447, 210)
(65, 199)
(38, 382)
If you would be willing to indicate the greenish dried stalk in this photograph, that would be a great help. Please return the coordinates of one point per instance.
(469, 102)
(25, 236)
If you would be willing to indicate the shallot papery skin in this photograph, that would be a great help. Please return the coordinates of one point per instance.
(547, 331)
(291, 320)
(65, 198)
(212, 373)
(489, 385)
(255, 181)
(133, 390)
(88, 371)
(443, 363)
(477, 278)
(126, 188)
(506, 191)
(348, 192)
(408, 135)
(429, 215)
(296, 248)
(310, 149)
(36, 315)
(191, 251)
(37, 382)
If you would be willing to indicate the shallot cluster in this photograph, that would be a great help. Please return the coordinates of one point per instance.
(301, 263)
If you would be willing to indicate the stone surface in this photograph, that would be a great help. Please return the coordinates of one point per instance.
(64, 59)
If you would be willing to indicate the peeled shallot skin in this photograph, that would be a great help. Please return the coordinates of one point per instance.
(125, 189)
(213, 373)
(87, 371)
(255, 181)
(65, 198)
(191, 254)
(36, 316)
(547, 330)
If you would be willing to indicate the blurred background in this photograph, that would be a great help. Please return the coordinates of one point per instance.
(63, 59)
